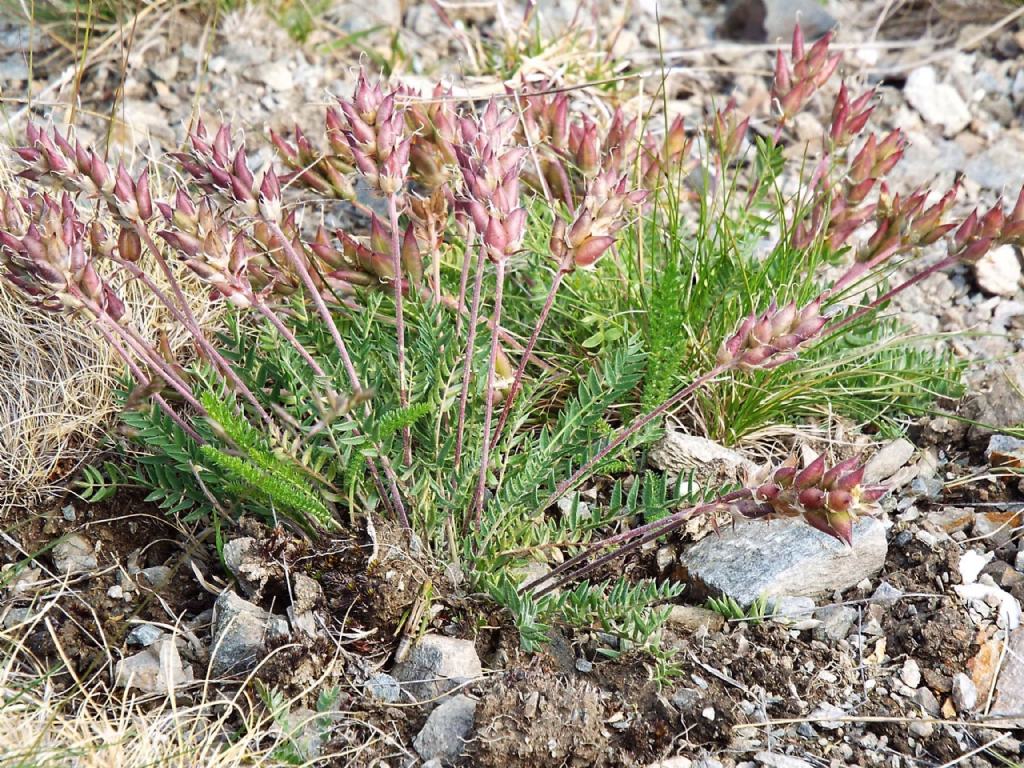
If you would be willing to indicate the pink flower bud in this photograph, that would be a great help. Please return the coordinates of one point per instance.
(589, 251)
(811, 474)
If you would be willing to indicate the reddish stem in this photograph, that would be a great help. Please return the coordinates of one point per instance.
(517, 380)
(485, 448)
(396, 264)
(467, 366)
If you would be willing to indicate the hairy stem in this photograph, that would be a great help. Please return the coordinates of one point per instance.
(204, 343)
(396, 263)
(467, 365)
(144, 380)
(460, 304)
(485, 448)
(517, 380)
(339, 343)
(631, 430)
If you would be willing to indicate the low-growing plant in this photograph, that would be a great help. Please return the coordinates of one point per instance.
(425, 369)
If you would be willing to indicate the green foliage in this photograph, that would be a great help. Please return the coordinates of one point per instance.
(731, 610)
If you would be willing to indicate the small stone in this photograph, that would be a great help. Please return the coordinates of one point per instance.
(783, 557)
(998, 167)
(436, 665)
(828, 716)
(74, 554)
(888, 460)
(116, 592)
(680, 454)
(1005, 451)
(1008, 701)
(910, 673)
(965, 695)
(155, 577)
(144, 635)
(383, 687)
(708, 713)
(996, 528)
(673, 762)
(775, 760)
(781, 16)
(836, 622)
(444, 735)
(925, 699)
(690, 618)
(276, 75)
(998, 272)
(158, 669)
(937, 103)
(240, 631)
(793, 610)
(922, 730)
(584, 666)
(886, 594)
(971, 563)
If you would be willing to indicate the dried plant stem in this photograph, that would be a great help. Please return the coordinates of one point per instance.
(524, 358)
(141, 377)
(339, 343)
(467, 365)
(485, 447)
(204, 344)
(396, 263)
(631, 430)
(630, 540)
(463, 279)
(318, 301)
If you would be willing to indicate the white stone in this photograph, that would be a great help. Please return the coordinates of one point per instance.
(998, 272)
(1009, 609)
(888, 460)
(775, 760)
(74, 554)
(910, 673)
(158, 669)
(937, 103)
(965, 694)
(971, 563)
(436, 665)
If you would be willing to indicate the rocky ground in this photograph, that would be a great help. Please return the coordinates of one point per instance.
(904, 650)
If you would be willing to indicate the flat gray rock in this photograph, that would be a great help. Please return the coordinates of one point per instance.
(436, 665)
(240, 632)
(444, 734)
(1009, 697)
(783, 557)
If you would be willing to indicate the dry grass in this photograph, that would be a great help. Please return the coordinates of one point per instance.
(57, 383)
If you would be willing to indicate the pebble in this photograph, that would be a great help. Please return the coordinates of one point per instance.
(923, 730)
(240, 631)
(998, 167)
(383, 687)
(444, 735)
(965, 695)
(971, 563)
(144, 635)
(74, 554)
(1005, 451)
(886, 593)
(937, 103)
(998, 272)
(888, 460)
(910, 673)
(824, 714)
(436, 665)
(158, 669)
(775, 760)
(836, 621)
(925, 699)
(691, 618)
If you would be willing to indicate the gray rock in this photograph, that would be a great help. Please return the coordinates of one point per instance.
(888, 460)
(158, 669)
(781, 16)
(679, 453)
(836, 622)
(998, 167)
(783, 557)
(437, 665)
(236, 552)
(144, 635)
(383, 687)
(1008, 701)
(998, 272)
(886, 593)
(74, 554)
(937, 103)
(922, 730)
(1005, 451)
(240, 631)
(910, 673)
(775, 760)
(965, 694)
(995, 402)
(824, 714)
(925, 699)
(156, 576)
(444, 734)
(673, 762)
(305, 732)
(794, 611)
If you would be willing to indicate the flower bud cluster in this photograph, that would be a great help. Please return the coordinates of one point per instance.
(52, 158)
(434, 128)
(601, 214)
(328, 174)
(772, 338)
(44, 251)
(490, 175)
(373, 126)
(797, 80)
(829, 499)
(979, 233)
